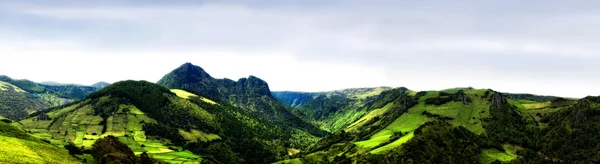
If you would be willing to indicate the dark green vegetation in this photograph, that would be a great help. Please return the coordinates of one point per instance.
(251, 95)
(190, 117)
(19, 98)
(462, 125)
(249, 126)
(334, 110)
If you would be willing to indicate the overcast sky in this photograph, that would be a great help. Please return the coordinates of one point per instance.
(548, 47)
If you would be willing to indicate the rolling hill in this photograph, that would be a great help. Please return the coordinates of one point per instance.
(19, 98)
(172, 125)
(462, 125)
(190, 117)
(334, 110)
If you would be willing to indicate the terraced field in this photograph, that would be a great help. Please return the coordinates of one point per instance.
(79, 124)
(16, 144)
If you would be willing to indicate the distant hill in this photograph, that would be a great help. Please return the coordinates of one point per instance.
(331, 110)
(100, 85)
(19, 98)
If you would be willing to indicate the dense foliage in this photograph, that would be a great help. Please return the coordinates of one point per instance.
(110, 150)
(437, 142)
(573, 135)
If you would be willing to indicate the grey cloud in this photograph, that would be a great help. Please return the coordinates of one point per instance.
(516, 38)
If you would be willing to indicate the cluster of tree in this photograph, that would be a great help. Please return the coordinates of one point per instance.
(507, 124)
(530, 97)
(72, 91)
(444, 98)
(109, 150)
(572, 134)
(437, 116)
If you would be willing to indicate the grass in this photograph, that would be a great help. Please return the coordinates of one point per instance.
(196, 135)
(14, 150)
(537, 105)
(178, 157)
(4, 86)
(290, 161)
(394, 144)
(491, 155)
(187, 95)
(374, 113)
(81, 126)
(468, 116)
(16, 146)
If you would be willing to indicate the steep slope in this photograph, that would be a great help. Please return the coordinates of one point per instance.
(248, 94)
(19, 98)
(331, 110)
(19, 147)
(70, 91)
(171, 125)
(451, 126)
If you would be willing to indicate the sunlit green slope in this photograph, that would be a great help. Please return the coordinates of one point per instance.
(401, 122)
(16, 146)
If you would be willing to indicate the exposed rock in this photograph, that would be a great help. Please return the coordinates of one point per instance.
(498, 100)
(581, 106)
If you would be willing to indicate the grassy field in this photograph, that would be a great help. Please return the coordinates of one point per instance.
(4, 86)
(468, 116)
(187, 95)
(508, 154)
(79, 124)
(290, 161)
(196, 135)
(16, 146)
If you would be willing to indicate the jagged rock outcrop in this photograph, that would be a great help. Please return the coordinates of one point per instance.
(498, 100)
(580, 108)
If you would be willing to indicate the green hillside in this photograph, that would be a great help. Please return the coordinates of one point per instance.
(19, 98)
(251, 95)
(462, 126)
(16, 146)
(334, 110)
(170, 125)
(17, 102)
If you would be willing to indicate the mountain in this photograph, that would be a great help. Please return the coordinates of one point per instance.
(331, 110)
(171, 125)
(464, 125)
(19, 98)
(100, 85)
(75, 92)
(250, 94)
(16, 146)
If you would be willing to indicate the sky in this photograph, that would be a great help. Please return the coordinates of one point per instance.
(547, 47)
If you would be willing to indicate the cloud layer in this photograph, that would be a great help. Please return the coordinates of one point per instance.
(543, 47)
